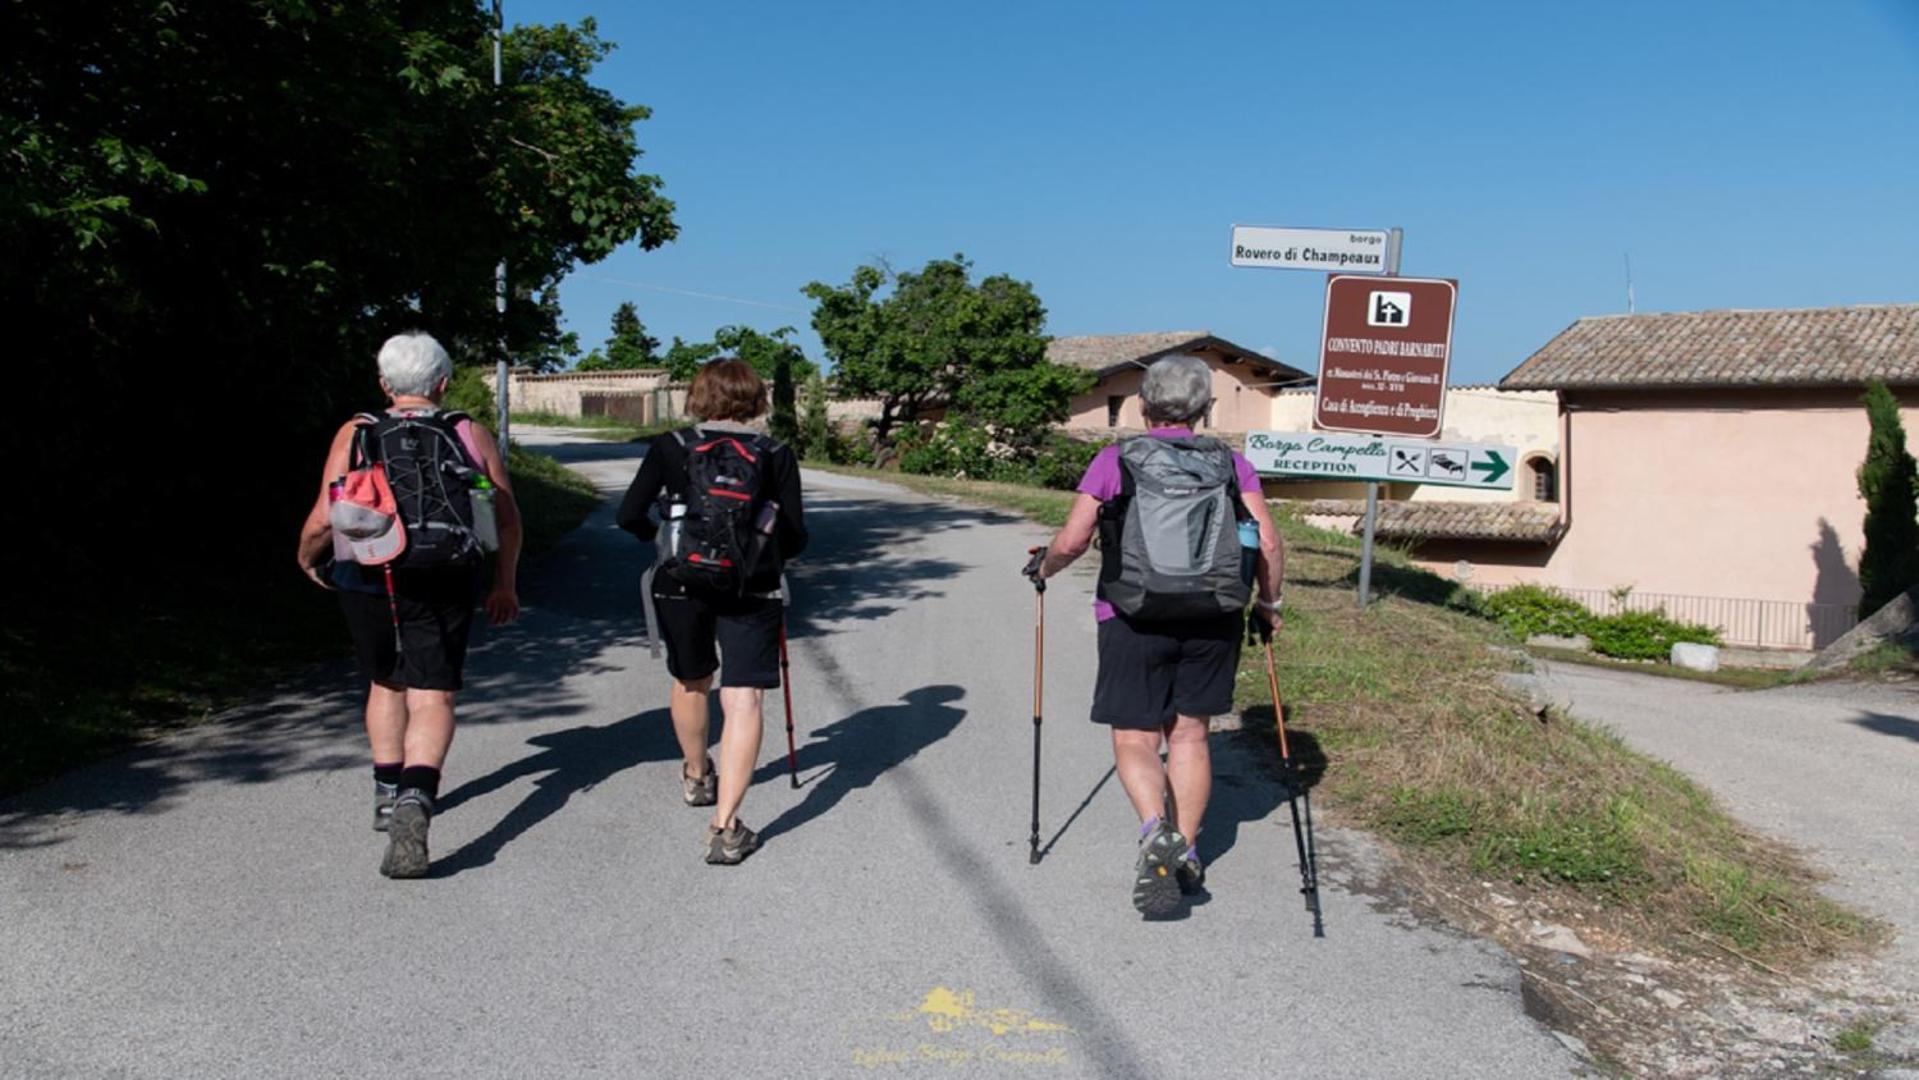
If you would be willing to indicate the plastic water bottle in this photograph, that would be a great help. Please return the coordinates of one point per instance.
(669, 541)
(486, 524)
(1248, 549)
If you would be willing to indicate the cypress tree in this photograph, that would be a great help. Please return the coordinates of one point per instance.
(815, 427)
(1889, 564)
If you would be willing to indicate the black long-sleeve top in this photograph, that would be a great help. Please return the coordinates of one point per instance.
(664, 471)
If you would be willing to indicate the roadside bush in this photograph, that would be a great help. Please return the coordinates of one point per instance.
(849, 447)
(978, 452)
(1060, 462)
(1644, 635)
(468, 393)
(1525, 610)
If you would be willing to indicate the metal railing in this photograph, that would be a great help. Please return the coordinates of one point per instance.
(1765, 624)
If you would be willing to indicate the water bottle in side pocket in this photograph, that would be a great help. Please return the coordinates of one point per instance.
(1248, 549)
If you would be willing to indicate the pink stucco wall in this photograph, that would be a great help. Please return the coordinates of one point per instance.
(1240, 402)
(1746, 495)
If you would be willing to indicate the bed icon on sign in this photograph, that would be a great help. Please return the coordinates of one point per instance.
(1446, 464)
(1407, 461)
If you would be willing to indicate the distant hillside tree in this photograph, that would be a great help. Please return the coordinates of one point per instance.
(940, 339)
(815, 425)
(1889, 564)
(629, 349)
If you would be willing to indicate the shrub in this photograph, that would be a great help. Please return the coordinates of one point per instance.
(1525, 610)
(468, 393)
(1060, 462)
(849, 447)
(1644, 635)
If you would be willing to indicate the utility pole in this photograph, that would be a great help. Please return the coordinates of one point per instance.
(502, 390)
(1372, 486)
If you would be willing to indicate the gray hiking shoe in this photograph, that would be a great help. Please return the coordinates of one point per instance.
(730, 846)
(1156, 889)
(701, 790)
(383, 799)
(406, 835)
(1191, 873)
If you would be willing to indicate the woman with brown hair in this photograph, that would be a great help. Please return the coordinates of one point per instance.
(729, 501)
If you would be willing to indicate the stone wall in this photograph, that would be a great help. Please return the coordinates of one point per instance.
(641, 397)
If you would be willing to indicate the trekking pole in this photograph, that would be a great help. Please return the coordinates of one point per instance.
(1032, 571)
(1295, 786)
(786, 688)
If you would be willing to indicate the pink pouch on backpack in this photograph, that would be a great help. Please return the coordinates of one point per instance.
(368, 516)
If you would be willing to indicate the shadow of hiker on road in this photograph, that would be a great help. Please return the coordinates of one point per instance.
(573, 760)
(1247, 785)
(1900, 726)
(862, 747)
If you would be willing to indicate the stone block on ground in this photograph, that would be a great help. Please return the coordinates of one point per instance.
(1695, 657)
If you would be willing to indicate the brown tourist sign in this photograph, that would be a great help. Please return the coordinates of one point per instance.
(1384, 354)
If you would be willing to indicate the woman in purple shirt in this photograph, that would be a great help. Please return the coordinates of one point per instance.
(1160, 683)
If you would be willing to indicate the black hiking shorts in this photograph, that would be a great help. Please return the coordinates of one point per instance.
(1150, 673)
(700, 632)
(436, 618)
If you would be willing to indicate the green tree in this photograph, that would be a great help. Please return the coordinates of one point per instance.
(1889, 563)
(939, 339)
(630, 346)
(816, 428)
(273, 188)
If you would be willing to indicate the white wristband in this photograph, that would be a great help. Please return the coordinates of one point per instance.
(1268, 605)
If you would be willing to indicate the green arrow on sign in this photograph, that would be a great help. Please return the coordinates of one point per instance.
(1493, 469)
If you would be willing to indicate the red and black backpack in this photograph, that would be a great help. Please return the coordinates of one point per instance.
(718, 545)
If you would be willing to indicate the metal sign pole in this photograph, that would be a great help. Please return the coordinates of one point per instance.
(1393, 245)
(502, 386)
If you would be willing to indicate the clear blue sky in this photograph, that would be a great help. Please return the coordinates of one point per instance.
(1745, 153)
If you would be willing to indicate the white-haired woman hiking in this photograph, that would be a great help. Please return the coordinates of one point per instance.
(408, 591)
(1169, 645)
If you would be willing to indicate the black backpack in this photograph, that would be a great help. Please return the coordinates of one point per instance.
(714, 545)
(431, 473)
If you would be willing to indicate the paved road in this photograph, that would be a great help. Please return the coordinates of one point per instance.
(210, 907)
(1831, 767)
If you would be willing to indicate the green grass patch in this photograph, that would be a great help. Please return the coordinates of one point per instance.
(1886, 658)
(1736, 677)
(1423, 744)
(1043, 505)
(1856, 1038)
(81, 681)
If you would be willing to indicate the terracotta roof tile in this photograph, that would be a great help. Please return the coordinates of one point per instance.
(1103, 353)
(1806, 347)
(1523, 522)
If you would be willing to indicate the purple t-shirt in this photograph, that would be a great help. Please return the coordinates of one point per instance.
(1103, 482)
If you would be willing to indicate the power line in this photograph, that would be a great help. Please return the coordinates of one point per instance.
(693, 293)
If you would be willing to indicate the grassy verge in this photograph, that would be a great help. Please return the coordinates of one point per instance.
(1738, 678)
(1401, 713)
(599, 427)
(78, 683)
(1044, 506)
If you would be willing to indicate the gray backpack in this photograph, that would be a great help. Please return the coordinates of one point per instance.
(1170, 541)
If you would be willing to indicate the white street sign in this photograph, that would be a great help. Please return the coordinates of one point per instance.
(1369, 457)
(1345, 251)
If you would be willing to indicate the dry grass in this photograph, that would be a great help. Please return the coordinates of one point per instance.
(1401, 710)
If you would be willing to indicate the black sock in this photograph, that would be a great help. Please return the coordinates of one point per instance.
(387, 774)
(421, 778)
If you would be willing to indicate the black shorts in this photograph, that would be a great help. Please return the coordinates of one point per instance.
(436, 617)
(745, 632)
(1150, 673)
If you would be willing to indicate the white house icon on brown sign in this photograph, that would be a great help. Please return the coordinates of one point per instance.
(1389, 309)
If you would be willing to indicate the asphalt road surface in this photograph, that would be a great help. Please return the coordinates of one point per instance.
(209, 905)
(1830, 767)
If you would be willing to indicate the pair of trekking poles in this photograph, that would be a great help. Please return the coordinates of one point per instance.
(1297, 795)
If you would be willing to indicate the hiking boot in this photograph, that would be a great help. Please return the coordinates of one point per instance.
(701, 790)
(1191, 873)
(383, 798)
(730, 846)
(406, 835)
(1155, 874)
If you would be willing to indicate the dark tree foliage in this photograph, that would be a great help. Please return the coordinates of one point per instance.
(214, 212)
(1889, 564)
(939, 339)
(629, 349)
